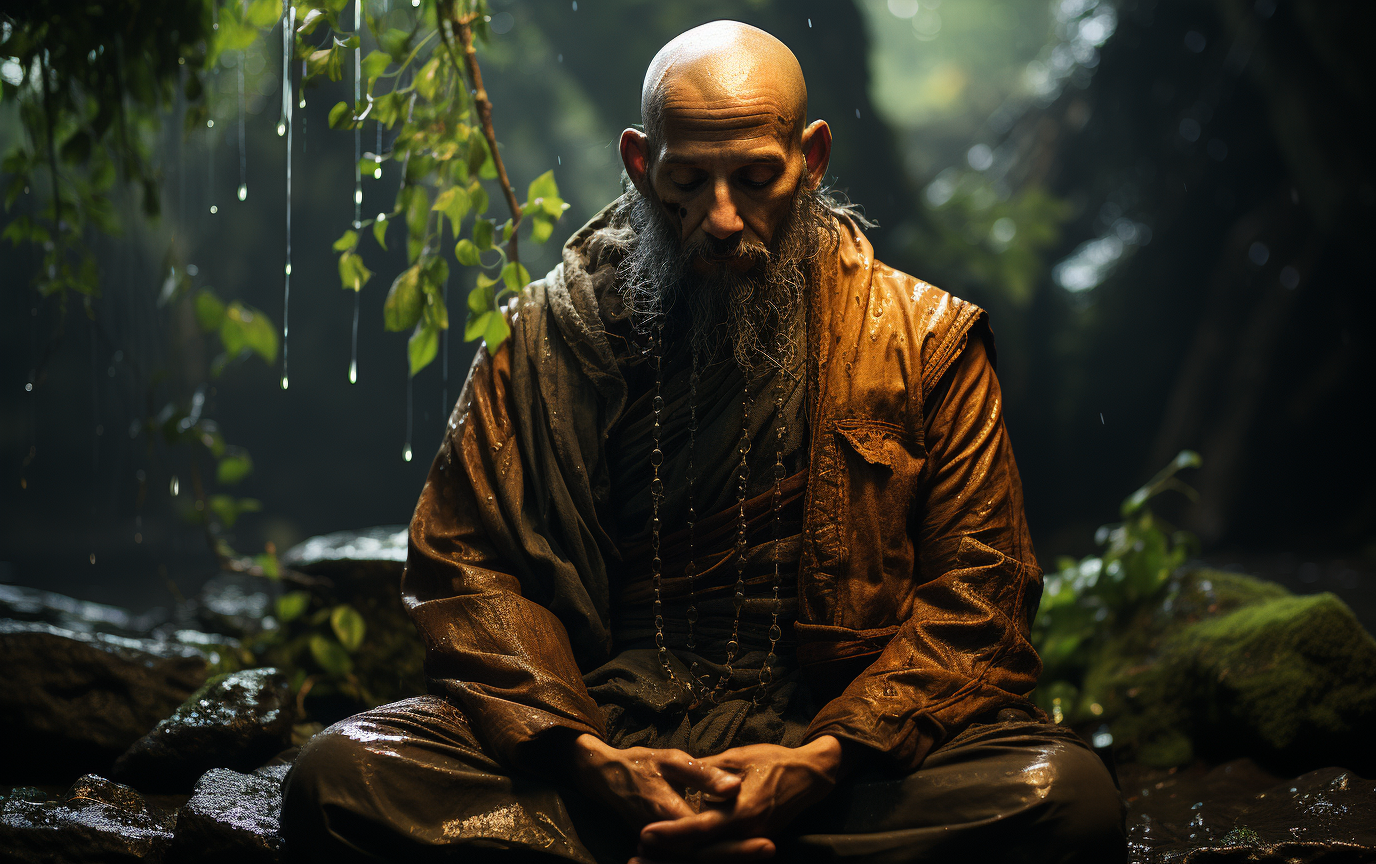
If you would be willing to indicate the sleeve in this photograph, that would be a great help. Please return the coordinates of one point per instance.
(503, 658)
(964, 652)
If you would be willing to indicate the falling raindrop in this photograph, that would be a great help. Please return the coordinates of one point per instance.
(174, 486)
(377, 153)
(358, 130)
(210, 164)
(302, 105)
(243, 153)
(93, 558)
(353, 350)
(406, 451)
(288, 27)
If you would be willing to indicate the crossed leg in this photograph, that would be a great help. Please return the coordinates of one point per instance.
(410, 782)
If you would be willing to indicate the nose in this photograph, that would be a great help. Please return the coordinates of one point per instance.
(722, 219)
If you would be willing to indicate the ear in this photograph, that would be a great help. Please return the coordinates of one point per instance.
(635, 155)
(816, 150)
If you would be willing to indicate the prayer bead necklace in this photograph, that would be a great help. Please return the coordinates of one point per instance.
(697, 686)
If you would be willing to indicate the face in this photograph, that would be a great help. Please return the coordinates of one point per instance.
(726, 170)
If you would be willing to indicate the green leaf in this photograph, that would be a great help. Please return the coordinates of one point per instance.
(210, 310)
(254, 332)
(347, 241)
(507, 227)
(330, 655)
(227, 508)
(466, 253)
(380, 231)
(540, 228)
(483, 230)
(263, 13)
(308, 23)
(481, 299)
(404, 302)
(235, 466)
(428, 78)
(453, 202)
(348, 626)
(292, 605)
(477, 154)
(353, 275)
(477, 323)
(374, 65)
(341, 117)
(417, 220)
(477, 195)
(272, 568)
(396, 43)
(422, 347)
(516, 276)
(541, 187)
(496, 332)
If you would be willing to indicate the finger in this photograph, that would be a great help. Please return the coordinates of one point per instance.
(733, 851)
(686, 833)
(686, 771)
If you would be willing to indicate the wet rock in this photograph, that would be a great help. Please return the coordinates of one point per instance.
(95, 820)
(1328, 816)
(384, 545)
(232, 817)
(235, 604)
(77, 700)
(19, 603)
(363, 569)
(236, 720)
(1227, 665)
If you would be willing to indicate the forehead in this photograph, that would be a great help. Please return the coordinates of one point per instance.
(692, 113)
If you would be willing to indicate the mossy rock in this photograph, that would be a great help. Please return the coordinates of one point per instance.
(1227, 665)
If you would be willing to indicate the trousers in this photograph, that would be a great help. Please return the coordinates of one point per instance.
(411, 782)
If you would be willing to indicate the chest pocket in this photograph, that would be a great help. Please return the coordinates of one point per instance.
(868, 474)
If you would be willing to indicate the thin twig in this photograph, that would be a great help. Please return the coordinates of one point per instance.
(470, 56)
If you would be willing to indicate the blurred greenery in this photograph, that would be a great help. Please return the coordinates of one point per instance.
(1086, 602)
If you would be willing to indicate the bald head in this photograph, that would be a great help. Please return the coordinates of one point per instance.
(725, 77)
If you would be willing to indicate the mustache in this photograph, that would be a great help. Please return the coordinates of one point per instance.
(718, 251)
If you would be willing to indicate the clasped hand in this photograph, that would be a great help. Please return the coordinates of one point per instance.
(749, 793)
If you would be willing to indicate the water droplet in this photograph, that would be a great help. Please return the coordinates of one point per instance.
(288, 268)
(214, 209)
(284, 382)
(174, 485)
(243, 191)
(358, 196)
(406, 453)
(210, 124)
(93, 558)
(28, 387)
(377, 173)
(281, 129)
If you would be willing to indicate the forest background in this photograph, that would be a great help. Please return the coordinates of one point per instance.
(1166, 206)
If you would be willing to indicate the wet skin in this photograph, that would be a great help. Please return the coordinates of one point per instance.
(731, 153)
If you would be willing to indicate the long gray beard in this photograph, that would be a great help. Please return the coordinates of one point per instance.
(758, 314)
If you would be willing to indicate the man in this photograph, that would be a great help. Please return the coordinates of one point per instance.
(723, 557)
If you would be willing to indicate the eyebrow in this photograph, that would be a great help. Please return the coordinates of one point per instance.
(773, 160)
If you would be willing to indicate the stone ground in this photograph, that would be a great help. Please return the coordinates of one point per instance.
(208, 784)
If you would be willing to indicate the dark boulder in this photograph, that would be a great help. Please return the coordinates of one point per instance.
(19, 603)
(237, 720)
(78, 700)
(235, 604)
(94, 821)
(231, 818)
